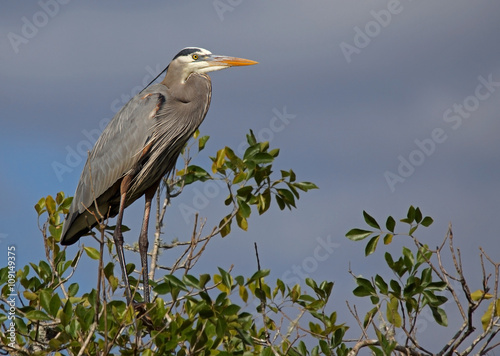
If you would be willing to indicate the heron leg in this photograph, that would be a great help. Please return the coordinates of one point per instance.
(143, 240)
(118, 236)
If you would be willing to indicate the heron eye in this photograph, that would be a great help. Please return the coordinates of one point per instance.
(195, 56)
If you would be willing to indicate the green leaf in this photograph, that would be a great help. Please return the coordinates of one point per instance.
(437, 286)
(264, 201)
(241, 221)
(487, 316)
(108, 270)
(45, 296)
(392, 312)
(231, 156)
(206, 313)
(411, 214)
(409, 258)
(226, 278)
(55, 231)
(73, 289)
(426, 276)
(376, 351)
(396, 288)
(418, 215)
(50, 205)
(204, 279)
(20, 325)
(243, 293)
(162, 288)
(479, 294)
(174, 281)
(244, 208)
(251, 138)
(360, 281)
(324, 347)
(92, 252)
(251, 151)
(388, 239)
(59, 198)
(358, 234)
(225, 226)
(364, 289)
(370, 220)
(191, 281)
(292, 176)
(440, 316)
(231, 309)
(55, 304)
(201, 142)
(258, 275)
(262, 158)
(311, 283)
(66, 204)
(390, 224)
(369, 316)
(280, 202)
(239, 177)
(244, 192)
(293, 190)
(40, 206)
(287, 197)
(302, 348)
(389, 260)
(280, 286)
(380, 283)
(36, 315)
(374, 299)
(371, 245)
(292, 351)
(315, 350)
(305, 186)
(194, 173)
(30, 295)
(275, 152)
(219, 160)
(427, 221)
(76, 258)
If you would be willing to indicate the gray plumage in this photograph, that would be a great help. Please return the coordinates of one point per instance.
(141, 145)
(156, 120)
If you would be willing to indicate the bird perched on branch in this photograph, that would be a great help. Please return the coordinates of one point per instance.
(140, 146)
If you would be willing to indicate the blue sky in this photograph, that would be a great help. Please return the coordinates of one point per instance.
(391, 104)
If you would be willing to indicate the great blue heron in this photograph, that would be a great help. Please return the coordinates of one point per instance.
(140, 146)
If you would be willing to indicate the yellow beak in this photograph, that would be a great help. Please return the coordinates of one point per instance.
(215, 60)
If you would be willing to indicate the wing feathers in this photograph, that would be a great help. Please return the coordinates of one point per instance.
(115, 154)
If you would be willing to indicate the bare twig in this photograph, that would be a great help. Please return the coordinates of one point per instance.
(372, 342)
(354, 313)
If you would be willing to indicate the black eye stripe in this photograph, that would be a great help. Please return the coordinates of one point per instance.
(187, 52)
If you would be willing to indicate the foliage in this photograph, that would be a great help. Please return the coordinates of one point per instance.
(248, 179)
(227, 314)
(420, 282)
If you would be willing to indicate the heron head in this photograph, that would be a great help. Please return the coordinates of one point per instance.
(198, 60)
